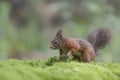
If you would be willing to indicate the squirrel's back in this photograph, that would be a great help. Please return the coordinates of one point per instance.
(84, 44)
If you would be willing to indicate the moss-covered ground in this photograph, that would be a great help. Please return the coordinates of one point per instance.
(42, 70)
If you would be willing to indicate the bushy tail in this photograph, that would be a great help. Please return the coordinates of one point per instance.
(99, 38)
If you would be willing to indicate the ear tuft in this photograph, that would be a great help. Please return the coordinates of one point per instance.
(59, 34)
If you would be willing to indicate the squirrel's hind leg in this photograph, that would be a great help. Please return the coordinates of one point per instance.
(86, 57)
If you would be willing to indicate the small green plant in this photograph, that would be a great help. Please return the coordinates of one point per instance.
(64, 58)
(77, 57)
(51, 60)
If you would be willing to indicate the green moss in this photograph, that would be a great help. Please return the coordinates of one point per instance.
(39, 70)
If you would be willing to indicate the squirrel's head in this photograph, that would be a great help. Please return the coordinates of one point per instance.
(56, 42)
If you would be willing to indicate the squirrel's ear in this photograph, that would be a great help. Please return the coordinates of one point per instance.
(59, 34)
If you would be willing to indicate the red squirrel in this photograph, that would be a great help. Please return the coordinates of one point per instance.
(87, 48)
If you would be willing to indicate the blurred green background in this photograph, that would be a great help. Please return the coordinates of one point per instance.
(28, 26)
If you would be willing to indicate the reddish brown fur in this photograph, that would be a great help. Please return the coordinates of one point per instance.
(78, 45)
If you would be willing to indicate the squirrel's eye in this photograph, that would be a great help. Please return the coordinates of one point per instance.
(56, 42)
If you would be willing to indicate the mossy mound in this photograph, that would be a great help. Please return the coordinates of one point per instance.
(39, 70)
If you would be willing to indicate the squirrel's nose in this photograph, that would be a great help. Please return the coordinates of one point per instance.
(51, 47)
